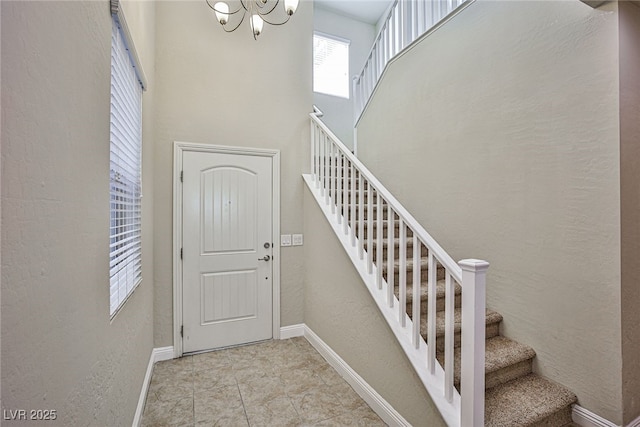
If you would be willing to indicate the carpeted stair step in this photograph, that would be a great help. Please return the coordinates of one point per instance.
(528, 401)
(424, 268)
(492, 324)
(424, 297)
(396, 247)
(505, 360)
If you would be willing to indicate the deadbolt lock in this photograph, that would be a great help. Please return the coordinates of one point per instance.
(267, 245)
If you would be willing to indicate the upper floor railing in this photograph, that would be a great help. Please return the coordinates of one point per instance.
(407, 21)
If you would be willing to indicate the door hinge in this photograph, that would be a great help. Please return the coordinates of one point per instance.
(182, 331)
(181, 176)
(181, 253)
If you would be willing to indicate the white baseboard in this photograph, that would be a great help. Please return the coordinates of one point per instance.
(634, 423)
(292, 331)
(377, 403)
(585, 418)
(157, 355)
(137, 418)
(162, 353)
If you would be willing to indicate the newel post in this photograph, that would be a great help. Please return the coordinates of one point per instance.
(474, 274)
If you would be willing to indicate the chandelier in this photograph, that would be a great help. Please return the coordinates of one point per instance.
(258, 11)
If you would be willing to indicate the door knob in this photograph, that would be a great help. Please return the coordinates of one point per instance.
(265, 258)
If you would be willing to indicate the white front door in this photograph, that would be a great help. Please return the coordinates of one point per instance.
(227, 239)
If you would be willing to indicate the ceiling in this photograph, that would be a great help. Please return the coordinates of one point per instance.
(368, 11)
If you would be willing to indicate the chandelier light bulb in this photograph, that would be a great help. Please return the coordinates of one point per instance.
(256, 23)
(290, 6)
(222, 12)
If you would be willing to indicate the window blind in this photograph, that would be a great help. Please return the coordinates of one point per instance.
(330, 65)
(125, 173)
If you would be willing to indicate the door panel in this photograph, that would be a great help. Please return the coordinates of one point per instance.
(229, 198)
(228, 296)
(227, 219)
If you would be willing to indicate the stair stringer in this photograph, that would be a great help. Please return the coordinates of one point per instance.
(433, 383)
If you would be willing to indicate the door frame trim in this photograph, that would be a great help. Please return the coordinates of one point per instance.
(179, 147)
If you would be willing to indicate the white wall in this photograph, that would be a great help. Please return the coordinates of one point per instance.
(227, 89)
(341, 311)
(500, 133)
(60, 350)
(338, 112)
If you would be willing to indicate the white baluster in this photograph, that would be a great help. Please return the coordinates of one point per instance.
(431, 313)
(322, 159)
(379, 230)
(421, 17)
(327, 167)
(435, 12)
(318, 157)
(360, 200)
(332, 176)
(338, 185)
(407, 27)
(380, 56)
(392, 34)
(474, 274)
(374, 64)
(386, 43)
(402, 269)
(345, 194)
(417, 303)
(449, 335)
(352, 203)
(312, 128)
(369, 228)
(398, 30)
(390, 254)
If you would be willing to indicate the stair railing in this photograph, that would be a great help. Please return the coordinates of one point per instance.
(342, 186)
(407, 21)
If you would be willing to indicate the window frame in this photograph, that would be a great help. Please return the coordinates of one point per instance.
(346, 82)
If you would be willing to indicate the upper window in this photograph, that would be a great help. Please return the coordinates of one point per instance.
(125, 250)
(330, 65)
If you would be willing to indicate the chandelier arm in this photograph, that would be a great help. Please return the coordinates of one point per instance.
(277, 23)
(236, 27)
(244, 6)
(216, 10)
(263, 6)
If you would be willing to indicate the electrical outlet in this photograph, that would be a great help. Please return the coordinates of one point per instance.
(297, 240)
(285, 240)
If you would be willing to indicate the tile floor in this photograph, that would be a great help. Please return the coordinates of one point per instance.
(274, 383)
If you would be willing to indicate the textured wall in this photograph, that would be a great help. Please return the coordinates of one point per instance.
(227, 89)
(338, 112)
(60, 351)
(500, 133)
(630, 205)
(341, 311)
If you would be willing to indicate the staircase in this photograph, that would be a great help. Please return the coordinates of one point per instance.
(435, 308)
(515, 396)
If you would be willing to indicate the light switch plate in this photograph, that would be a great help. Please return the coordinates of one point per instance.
(285, 240)
(297, 240)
